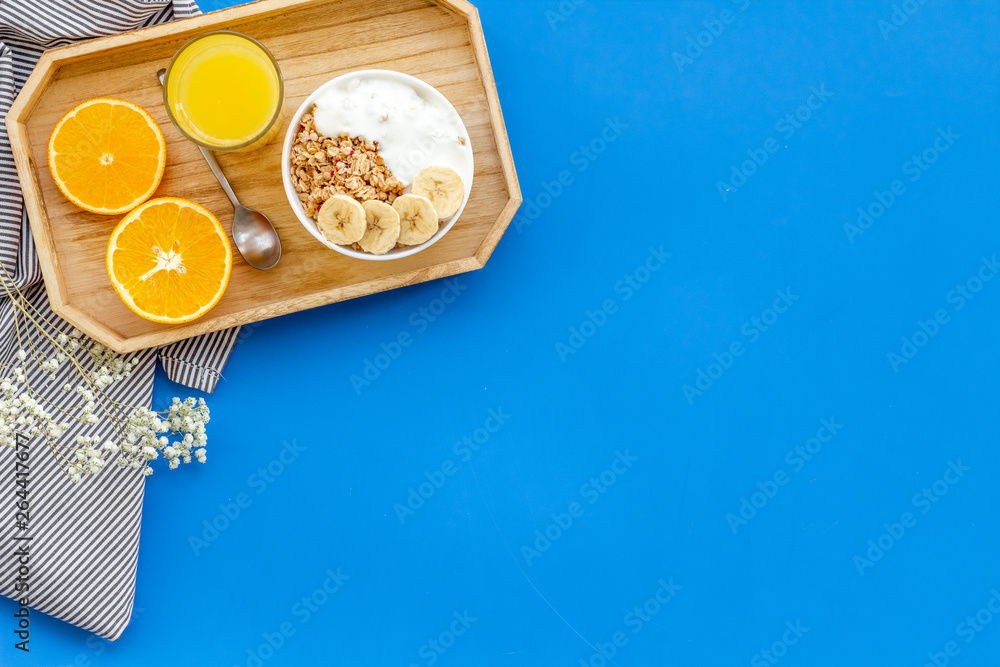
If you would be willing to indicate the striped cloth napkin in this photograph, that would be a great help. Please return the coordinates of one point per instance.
(84, 538)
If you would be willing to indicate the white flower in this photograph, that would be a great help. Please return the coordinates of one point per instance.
(139, 433)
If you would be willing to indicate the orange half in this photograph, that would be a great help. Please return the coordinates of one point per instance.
(169, 260)
(107, 156)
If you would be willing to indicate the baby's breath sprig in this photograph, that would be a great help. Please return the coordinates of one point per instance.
(140, 435)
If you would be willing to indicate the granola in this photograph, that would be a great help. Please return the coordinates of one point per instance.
(323, 167)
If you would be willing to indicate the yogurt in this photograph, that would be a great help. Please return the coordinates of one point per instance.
(413, 131)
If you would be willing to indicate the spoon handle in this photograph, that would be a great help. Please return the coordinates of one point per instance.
(217, 170)
(212, 162)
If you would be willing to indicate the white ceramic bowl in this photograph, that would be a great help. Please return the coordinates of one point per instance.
(423, 89)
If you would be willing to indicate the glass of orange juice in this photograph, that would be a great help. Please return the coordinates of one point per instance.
(223, 90)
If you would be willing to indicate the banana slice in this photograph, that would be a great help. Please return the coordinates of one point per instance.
(418, 221)
(443, 186)
(341, 219)
(383, 227)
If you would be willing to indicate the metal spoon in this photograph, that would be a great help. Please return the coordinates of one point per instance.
(255, 236)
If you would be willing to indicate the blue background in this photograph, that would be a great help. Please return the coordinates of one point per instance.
(562, 78)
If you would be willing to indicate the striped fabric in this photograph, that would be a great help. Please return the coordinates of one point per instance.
(84, 537)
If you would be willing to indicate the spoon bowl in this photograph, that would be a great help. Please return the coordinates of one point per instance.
(256, 238)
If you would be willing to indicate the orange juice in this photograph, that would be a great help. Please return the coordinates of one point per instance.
(224, 91)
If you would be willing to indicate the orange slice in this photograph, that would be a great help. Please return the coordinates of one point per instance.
(107, 156)
(169, 260)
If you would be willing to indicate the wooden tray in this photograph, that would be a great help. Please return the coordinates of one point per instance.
(439, 41)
